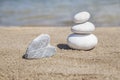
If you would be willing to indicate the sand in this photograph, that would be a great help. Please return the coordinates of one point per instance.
(101, 63)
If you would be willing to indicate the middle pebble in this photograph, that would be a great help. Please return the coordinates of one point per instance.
(84, 28)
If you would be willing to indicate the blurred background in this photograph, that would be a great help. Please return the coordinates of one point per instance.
(58, 12)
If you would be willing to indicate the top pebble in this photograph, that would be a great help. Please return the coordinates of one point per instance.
(81, 17)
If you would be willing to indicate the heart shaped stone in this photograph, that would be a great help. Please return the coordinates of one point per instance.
(40, 47)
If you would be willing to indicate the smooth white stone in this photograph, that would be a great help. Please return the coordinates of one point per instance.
(81, 17)
(84, 28)
(40, 47)
(82, 42)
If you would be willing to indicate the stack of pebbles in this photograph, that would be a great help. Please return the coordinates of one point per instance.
(82, 37)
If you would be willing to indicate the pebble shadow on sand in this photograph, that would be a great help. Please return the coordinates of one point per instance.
(66, 47)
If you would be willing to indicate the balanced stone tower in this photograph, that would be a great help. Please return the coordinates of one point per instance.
(82, 37)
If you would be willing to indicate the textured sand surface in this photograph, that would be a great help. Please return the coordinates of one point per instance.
(101, 63)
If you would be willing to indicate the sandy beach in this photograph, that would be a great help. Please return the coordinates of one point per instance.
(101, 63)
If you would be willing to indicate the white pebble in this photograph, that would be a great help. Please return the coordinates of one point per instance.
(84, 28)
(81, 17)
(82, 42)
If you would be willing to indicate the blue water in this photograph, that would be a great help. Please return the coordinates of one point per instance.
(57, 12)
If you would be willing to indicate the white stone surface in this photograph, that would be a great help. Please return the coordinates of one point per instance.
(82, 42)
(81, 17)
(84, 28)
(40, 47)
